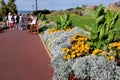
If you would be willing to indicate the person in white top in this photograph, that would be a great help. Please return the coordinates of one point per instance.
(10, 20)
(21, 20)
(34, 21)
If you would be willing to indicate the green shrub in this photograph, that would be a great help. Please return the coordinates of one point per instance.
(64, 22)
(103, 31)
(42, 17)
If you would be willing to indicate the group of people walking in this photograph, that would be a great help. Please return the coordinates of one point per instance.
(14, 21)
(17, 21)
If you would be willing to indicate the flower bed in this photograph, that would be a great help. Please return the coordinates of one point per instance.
(95, 67)
(90, 54)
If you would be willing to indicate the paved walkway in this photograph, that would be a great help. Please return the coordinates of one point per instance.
(23, 57)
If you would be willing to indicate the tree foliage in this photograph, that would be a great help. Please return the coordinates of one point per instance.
(12, 6)
(7, 7)
(3, 9)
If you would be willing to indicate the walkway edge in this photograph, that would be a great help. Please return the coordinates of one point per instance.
(49, 53)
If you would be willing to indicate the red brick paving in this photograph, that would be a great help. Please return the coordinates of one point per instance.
(23, 57)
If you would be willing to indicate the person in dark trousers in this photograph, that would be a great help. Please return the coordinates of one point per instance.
(16, 18)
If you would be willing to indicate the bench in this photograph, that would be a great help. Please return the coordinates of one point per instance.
(34, 28)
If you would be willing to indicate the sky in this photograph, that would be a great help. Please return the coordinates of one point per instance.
(29, 5)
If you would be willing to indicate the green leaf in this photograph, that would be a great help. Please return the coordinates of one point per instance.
(102, 32)
(99, 19)
(110, 37)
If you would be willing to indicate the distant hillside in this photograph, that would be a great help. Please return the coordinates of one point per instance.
(25, 12)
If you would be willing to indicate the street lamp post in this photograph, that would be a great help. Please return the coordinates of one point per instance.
(36, 5)
(33, 7)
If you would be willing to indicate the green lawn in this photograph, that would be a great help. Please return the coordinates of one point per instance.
(80, 21)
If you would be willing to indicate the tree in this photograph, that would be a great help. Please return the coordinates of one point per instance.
(11, 6)
(3, 9)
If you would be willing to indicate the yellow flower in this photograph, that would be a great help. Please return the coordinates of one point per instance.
(78, 54)
(86, 50)
(118, 47)
(86, 39)
(103, 53)
(112, 58)
(81, 50)
(68, 56)
(111, 53)
(107, 58)
(96, 51)
(112, 45)
(73, 47)
(68, 29)
(92, 54)
(73, 56)
(73, 53)
(64, 49)
(118, 44)
(79, 34)
(72, 39)
(77, 51)
(67, 50)
(65, 57)
(76, 46)
(87, 46)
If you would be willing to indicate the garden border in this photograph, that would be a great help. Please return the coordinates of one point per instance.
(49, 53)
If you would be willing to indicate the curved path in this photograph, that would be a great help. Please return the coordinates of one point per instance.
(23, 57)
